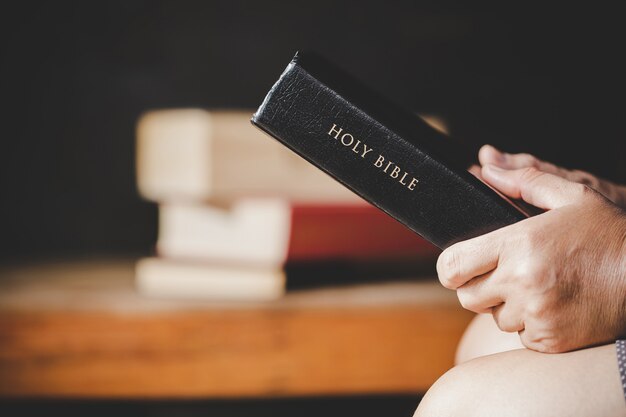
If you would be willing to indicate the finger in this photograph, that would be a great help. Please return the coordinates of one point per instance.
(538, 188)
(480, 294)
(489, 155)
(508, 317)
(544, 341)
(604, 187)
(468, 259)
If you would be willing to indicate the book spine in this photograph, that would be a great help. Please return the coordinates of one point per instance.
(323, 126)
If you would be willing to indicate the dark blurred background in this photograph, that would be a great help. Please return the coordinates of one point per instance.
(74, 77)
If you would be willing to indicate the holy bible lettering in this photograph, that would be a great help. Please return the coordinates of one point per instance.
(380, 163)
(361, 149)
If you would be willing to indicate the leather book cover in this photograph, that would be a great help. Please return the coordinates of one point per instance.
(381, 151)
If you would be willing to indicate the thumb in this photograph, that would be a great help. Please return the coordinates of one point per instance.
(538, 188)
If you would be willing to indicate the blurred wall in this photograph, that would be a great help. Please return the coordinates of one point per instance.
(74, 77)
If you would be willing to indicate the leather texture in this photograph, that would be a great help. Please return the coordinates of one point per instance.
(447, 203)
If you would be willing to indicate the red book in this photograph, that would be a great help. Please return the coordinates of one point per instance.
(272, 232)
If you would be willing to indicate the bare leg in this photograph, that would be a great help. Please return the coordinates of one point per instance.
(507, 380)
(483, 337)
(526, 383)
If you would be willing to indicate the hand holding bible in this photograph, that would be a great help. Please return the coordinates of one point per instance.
(559, 278)
(489, 155)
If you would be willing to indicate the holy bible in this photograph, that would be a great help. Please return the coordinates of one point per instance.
(381, 151)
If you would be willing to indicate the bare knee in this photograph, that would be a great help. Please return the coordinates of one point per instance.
(445, 398)
(522, 382)
(480, 387)
(454, 394)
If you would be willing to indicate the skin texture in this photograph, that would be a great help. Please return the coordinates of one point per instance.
(556, 283)
(488, 155)
(494, 377)
(526, 383)
(558, 279)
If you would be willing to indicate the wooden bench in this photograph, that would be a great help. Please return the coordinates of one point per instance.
(81, 330)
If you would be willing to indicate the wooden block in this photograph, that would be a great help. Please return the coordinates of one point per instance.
(80, 330)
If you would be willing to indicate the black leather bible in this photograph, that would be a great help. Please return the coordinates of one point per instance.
(384, 153)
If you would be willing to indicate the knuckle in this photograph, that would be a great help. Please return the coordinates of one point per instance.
(583, 177)
(506, 321)
(537, 309)
(581, 191)
(448, 268)
(467, 301)
(503, 324)
(543, 341)
(507, 327)
(551, 345)
(537, 268)
(586, 191)
(530, 174)
(527, 272)
(528, 159)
